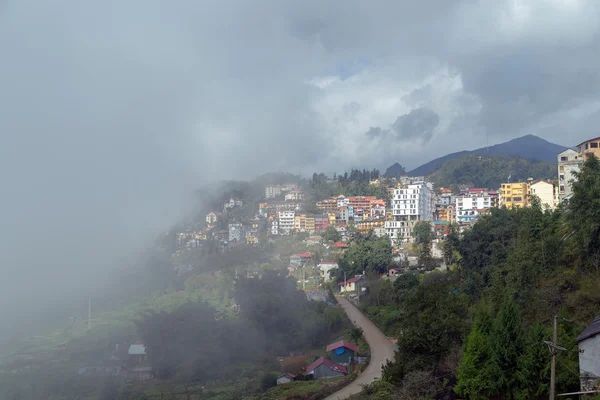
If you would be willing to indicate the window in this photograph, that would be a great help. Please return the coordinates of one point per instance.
(594, 145)
(562, 189)
(561, 168)
(564, 159)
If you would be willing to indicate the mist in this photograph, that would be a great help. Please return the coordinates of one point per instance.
(113, 113)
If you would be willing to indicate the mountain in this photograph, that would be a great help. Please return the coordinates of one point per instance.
(529, 147)
(491, 171)
(394, 170)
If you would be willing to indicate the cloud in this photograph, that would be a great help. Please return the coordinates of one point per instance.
(418, 123)
(112, 112)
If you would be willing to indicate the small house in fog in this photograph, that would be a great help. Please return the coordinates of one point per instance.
(324, 368)
(589, 356)
(285, 378)
(342, 352)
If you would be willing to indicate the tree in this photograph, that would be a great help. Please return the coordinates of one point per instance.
(331, 234)
(584, 214)
(508, 346)
(475, 378)
(404, 284)
(423, 235)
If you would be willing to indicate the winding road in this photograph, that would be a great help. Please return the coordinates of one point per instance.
(381, 351)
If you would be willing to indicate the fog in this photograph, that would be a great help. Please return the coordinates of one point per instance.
(112, 113)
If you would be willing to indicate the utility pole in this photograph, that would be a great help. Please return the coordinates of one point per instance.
(89, 312)
(303, 280)
(553, 367)
(554, 348)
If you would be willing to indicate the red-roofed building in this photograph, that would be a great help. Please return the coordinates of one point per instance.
(324, 368)
(298, 260)
(349, 285)
(340, 245)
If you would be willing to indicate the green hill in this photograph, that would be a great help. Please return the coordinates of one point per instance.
(491, 171)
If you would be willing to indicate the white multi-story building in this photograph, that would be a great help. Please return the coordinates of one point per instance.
(569, 162)
(275, 227)
(342, 201)
(272, 191)
(294, 195)
(286, 222)
(468, 207)
(413, 203)
(546, 193)
(236, 232)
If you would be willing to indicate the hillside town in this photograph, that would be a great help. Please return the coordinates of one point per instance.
(285, 209)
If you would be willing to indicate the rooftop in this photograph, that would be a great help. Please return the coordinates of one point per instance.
(352, 280)
(332, 366)
(591, 330)
(342, 343)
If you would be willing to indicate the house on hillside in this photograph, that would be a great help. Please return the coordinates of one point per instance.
(339, 247)
(326, 268)
(589, 356)
(285, 378)
(342, 352)
(300, 259)
(350, 285)
(139, 368)
(324, 368)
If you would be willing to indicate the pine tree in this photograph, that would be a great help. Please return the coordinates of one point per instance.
(507, 345)
(475, 378)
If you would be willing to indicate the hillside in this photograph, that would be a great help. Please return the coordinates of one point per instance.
(394, 170)
(529, 147)
(490, 171)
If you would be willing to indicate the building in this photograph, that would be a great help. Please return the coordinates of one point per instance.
(546, 192)
(468, 207)
(326, 267)
(324, 368)
(304, 223)
(368, 225)
(350, 285)
(286, 222)
(569, 163)
(589, 147)
(212, 217)
(342, 201)
(342, 352)
(285, 378)
(275, 227)
(514, 195)
(329, 205)
(378, 211)
(589, 356)
(339, 246)
(321, 222)
(362, 203)
(294, 195)
(447, 213)
(300, 259)
(272, 191)
(236, 232)
(232, 203)
(410, 204)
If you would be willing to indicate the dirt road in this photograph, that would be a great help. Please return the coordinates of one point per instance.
(381, 351)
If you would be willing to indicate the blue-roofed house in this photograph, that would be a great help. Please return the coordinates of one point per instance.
(342, 352)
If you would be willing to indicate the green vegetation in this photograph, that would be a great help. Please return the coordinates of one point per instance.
(354, 184)
(491, 171)
(368, 253)
(479, 329)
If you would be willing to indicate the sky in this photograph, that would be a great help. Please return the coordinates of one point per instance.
(112, 112)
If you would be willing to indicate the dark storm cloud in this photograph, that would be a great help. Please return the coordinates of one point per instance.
(417, 124)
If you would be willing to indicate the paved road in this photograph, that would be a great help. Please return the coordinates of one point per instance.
(381, 351)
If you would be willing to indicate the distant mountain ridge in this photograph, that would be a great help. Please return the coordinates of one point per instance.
(394, 170)
(529, 147)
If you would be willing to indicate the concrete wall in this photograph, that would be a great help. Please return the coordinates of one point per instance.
(589, 362)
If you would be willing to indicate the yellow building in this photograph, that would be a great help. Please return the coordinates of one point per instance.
(447, 214)
(331, 217)
(304, 223)
(368, 226)
(327, 204)
(515, 195)
(589, 147)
